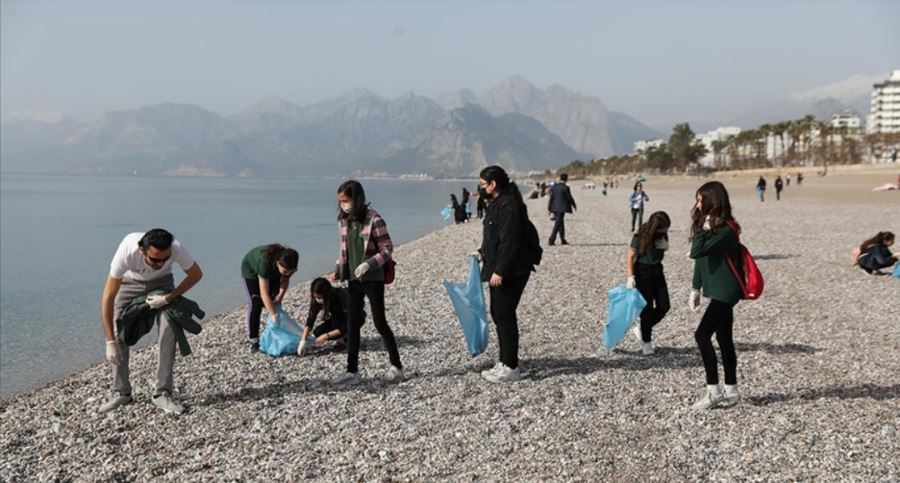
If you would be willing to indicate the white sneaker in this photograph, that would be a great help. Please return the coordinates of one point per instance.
(492, 370)
(393, 375)
(712, 398)
(504, 374)
(164, 401)
(647, 348)
(636, 330)
(115, 402)
(348, 379)
(732, 395)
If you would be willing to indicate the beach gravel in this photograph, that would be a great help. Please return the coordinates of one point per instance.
(817, 365)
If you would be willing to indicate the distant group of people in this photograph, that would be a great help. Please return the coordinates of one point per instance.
(140, 289)
(780, 184)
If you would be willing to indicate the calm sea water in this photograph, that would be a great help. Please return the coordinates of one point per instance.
(59, 234)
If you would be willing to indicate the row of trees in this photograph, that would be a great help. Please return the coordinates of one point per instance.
(801, 142)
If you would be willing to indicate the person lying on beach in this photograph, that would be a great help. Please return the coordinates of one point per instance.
(328, 304)
(266, 271)
(874, 255)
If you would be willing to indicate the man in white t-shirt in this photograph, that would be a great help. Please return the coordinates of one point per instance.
(143, 263)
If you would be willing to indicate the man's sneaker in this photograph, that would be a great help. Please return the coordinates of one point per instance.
(118, 400)
(393, 375)
(636, 330)
(164, 401)
(732, 395)
(647, 348)
(712, 398)
(492, 370)
(348, 379)
(504, 374)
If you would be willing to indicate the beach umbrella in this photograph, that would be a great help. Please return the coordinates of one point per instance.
(624, 307)
(468, 302)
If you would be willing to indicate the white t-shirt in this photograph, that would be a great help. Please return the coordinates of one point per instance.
(128, 262)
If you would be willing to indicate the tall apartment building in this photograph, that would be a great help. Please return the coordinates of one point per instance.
(885, 110)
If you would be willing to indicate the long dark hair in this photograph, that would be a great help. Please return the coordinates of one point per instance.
(659, 220)
(715, 203)
(277, 253)
(504, 185)
(454, 201)
(636, 186)
(881, 237)
(322, 287)
(353, 190)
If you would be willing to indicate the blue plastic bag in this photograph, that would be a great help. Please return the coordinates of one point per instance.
(280, 339)
(623, 310)
(468, 301)
(896, 273)
(447, 212)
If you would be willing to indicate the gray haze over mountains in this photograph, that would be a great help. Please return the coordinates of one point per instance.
(515, 124)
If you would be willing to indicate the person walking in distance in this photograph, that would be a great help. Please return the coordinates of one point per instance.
(779, 185)
(560, 203)
(713, 237)
(637, 199)
(143, 264)
(761, 189)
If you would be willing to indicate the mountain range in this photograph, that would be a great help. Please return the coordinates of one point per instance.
(515, 124)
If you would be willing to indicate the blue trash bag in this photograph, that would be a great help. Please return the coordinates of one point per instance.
(624, 308)
(468, 301)
(280, 339)
(447, 212)
(896, 273)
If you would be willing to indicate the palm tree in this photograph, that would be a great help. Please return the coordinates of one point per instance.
(763, 133)
(808, 122)
(825, 133)
(778, 130)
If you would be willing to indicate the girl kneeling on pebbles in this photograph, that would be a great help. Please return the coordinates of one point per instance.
(645, 271)
(712, 237)
(506, 266)
(365, 249)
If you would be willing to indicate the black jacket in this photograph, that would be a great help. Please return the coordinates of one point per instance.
(502, 239)
(875, 258)
(137, 319)
(561, 200)
(337, 308)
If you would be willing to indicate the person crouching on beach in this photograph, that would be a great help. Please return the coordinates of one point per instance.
(329, 302)
(143, 264)
(266, 270)
(874, 255)
(365, 249)
(712, 237)
(505, 267)
(645, 272)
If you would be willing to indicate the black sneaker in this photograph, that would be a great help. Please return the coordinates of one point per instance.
(254, 347)
(564, 243)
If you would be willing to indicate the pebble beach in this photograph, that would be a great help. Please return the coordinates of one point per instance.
(818, 368)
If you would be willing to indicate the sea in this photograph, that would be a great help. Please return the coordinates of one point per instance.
(58, 234)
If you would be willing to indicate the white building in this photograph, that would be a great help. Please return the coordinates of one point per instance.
(846, 120)
(885, 110)
(644, 145)
(717, 134)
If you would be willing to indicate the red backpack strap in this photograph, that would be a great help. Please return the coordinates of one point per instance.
(734, 271)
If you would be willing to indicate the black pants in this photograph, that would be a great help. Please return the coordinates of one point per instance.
(375, 293)
(651, 283)
(777, 195)
(637, 214)
(504, 301)
(718, 319)
(559, 226)
(255, 305)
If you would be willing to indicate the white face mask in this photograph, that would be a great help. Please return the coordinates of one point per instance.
(320, 301)
(346, 207)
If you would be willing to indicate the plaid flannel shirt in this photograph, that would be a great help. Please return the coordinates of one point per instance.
(377, 245)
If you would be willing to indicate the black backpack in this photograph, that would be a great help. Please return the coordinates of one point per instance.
(531, 242)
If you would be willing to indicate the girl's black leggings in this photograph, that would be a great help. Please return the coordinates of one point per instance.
(358, 291)
(255, 304)
(637, 214)
(718, 319)
(651, 283)
(504, 302)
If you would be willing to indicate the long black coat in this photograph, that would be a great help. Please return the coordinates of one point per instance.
(502, 239)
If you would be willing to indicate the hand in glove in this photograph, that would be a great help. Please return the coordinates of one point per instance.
(112, 352)
(694, 301)
(661, 244)
(276, 317)
(301, 349)
(157, 301)
(631, 283)
(707, 224)
(477, 255)
(361, 270)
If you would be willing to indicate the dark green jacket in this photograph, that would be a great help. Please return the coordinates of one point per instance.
(137, 319)
(711, 271)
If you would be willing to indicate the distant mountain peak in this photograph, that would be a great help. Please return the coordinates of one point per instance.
(846, 90)
(359, 93)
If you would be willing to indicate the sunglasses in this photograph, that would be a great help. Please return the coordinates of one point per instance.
(157, 261)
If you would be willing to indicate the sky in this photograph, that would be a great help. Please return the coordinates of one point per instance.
(659, 61)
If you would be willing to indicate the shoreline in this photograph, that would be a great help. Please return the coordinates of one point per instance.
(810, 365)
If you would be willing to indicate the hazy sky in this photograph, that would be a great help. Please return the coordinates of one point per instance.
(656, 60)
